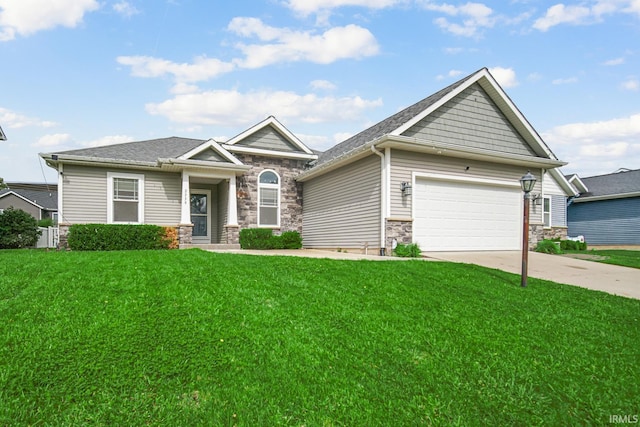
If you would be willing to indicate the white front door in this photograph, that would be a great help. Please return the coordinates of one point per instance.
(201, 215)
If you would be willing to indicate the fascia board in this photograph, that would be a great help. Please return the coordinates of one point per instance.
(203, 164)
(606, 197)
(569, 189)
(270, 153)
(95, 161)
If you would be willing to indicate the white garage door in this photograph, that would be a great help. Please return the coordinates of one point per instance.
(466, 216)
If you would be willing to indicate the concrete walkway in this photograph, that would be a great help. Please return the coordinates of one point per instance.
(613, 279)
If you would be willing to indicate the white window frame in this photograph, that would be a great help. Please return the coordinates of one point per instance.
(110, 214)
(545, 225)
(269, 186)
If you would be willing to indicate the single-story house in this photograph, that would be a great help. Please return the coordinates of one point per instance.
(607, 212)
(39, 200)
(443, 173)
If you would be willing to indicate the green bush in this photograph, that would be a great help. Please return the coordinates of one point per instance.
(117, 237)
(263, 238)
(47, 222)
(572, 245)
(18, 229)
(547, 246)
(411, 250)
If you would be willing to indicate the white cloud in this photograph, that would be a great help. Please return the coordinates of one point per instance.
(202, 68)
(613, 62)
(125, 9)
(26, 17)
(107, 140)
(322, 85)
(285, 45)
(631, 84)
(568, 80)
(583, 14)
(307, 7)
(13, 120)
(450, 74)
(230, 107)
(597, 147)
(474, 17)
(52, 140)
(506, 77)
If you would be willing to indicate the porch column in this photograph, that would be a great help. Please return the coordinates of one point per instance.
(185, 205)
(232, 204)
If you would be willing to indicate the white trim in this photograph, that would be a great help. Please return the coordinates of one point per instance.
(232, 203)
(185, 207)
(216, 147)
(473, 180)
(269, 186)
(387, 181)
(279, 127)
(140, 178)
(550, 212)
(606, 197)
(271, 153)
(60, 193)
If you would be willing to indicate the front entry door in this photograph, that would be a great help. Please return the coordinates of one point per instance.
(201, 215)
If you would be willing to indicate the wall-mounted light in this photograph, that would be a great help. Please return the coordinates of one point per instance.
(537, 199)
(405, 187)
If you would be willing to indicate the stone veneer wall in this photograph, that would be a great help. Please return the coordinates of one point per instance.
(185, 234)
(63, 236)
(231, 235)
(290, 192)
(400, 230)
(555, 233)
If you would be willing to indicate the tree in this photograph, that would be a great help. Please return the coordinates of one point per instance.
(2, 184)
(18, 229)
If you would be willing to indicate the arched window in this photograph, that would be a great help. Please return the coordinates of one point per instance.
(268, 199)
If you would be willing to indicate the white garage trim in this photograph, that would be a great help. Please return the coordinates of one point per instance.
(456, 213)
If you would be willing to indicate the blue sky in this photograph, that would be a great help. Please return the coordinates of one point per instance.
(80, 73)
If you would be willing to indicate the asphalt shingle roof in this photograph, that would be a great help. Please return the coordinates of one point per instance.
(387, 125)
(613, 183)
(141, 151)
(46, 199)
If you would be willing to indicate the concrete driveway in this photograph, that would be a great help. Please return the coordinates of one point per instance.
(613, 279)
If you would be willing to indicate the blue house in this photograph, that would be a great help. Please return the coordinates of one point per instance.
(608, 213)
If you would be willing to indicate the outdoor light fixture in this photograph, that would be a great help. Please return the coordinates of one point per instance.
(406, 189)
(527, 182)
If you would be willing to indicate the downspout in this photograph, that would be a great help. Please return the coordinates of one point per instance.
(383, 200)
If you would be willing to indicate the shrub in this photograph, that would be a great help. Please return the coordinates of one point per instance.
(548, 247)
(18, 229)
(117, 237)
(411, 250)
(573, 245)
(263, 238)
(47, 222)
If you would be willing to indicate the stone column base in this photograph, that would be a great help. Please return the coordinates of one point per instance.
(233, 234)
(185, 234)
(400, 230)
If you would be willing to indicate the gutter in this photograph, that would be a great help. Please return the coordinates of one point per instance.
(606, 197)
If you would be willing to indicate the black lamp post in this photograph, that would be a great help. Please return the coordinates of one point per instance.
(526, 182)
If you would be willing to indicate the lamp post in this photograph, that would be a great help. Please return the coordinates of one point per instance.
(526, 183)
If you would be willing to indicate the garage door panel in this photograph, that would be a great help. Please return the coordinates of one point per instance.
(453, 215)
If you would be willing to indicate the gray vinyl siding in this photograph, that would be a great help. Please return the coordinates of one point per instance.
(268, 138)
(404, 163)
(209, 155)
(558, 211)
(162, 197)
(606, 222)
(16, 202)
(471, 119)
(84, 195)
(342, 209)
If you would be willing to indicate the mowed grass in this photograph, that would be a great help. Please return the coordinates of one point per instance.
(194, 338)
(625, 258)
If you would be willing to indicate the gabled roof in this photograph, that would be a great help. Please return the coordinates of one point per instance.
(577, 183)
(210, 145)
(2, 135)
(299, 150)
(611, 186)
(47, 200)
(403, 120)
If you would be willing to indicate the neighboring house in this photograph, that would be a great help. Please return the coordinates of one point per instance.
(607, 212)
(443, 173)
(39, 200)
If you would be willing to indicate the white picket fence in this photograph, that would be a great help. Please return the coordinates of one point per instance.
(49, 237)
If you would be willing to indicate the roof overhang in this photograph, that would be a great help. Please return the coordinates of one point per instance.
(568, 188)
(269, 153)
(178, 165)
(435, 148)
(606, 197)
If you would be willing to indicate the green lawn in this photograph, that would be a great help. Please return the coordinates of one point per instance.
(187, 338)
(624, 258)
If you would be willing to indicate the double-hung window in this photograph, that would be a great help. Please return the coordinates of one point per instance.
(268, 199)
(546, 211)
(125, 198)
